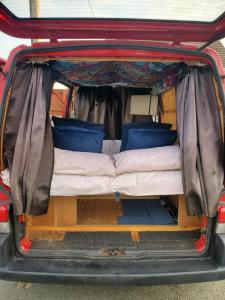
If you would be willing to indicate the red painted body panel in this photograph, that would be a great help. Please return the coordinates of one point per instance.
(2, 61)
(218, 61)
(6, 68)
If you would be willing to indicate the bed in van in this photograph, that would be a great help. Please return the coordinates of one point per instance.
(126, 183)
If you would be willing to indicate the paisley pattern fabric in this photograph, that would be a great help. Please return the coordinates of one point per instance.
(108, 73)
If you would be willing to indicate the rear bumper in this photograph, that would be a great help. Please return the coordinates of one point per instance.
(111, 271)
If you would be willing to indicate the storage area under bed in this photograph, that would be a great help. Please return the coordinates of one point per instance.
(102, 214)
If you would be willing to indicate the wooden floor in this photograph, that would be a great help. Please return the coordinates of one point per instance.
(96, 213)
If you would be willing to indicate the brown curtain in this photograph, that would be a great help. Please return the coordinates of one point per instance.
(109, 106)
(28, 144)
(201, 142)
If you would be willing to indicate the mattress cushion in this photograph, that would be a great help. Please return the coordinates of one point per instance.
(149, 138)
(64, 122)
(133, 184)
(146, 160)
(78, 139)
(140, 125)
(83, 163)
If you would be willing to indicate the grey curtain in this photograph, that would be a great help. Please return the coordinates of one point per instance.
(28, 145)
(109, 106)
(201, 142)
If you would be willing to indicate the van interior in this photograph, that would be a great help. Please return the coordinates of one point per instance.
(116, 185)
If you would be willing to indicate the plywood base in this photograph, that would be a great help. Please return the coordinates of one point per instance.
(62, 211)
(135, 236)
(72, 214)
(45, 235)
(183, 219)
(168, 114)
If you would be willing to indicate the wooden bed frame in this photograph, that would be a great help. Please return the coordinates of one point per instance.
(97, 214)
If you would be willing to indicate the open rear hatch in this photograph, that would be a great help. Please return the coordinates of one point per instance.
(128, 20)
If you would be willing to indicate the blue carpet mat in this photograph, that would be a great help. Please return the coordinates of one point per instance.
(144, 212)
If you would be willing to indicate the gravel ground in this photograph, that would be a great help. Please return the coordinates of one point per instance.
(212, 290)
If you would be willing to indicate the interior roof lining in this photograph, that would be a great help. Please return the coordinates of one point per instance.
(137, 73)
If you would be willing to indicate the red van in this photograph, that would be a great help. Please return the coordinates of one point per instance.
(126, 186)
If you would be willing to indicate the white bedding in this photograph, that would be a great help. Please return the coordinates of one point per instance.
(133, 184)
(146, 160)
(148, 183)
(153, 171)
(83, 163)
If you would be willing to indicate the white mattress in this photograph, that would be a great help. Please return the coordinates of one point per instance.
(133, 184)
(142, 172)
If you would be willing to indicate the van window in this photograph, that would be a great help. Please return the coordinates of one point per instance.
(128, 9)
(58, 99)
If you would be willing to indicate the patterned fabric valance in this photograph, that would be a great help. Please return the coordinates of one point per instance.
(160, 75)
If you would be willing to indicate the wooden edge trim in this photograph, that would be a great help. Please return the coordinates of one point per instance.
(108, 228)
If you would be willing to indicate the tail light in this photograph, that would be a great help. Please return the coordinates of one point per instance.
(200, 244)
(221, 214)
(220, 226)
(4, 213)
(5, 201)
(25, 245)
(221, 210)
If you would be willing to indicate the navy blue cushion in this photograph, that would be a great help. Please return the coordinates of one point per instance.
(144, 125)
(78, 139)
(149, 138)
(62, 122)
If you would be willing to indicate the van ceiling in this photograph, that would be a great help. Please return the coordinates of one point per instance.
(114, 73)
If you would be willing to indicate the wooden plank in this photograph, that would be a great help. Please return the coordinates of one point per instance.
(47, 220)
(113, 228)
(135, 236)
(62, 211)
(183, 219)
(45, 235)
(168, 114)
(65, 210)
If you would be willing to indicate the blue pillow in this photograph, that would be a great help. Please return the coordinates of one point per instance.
(62, 122)
(144, 125)
(78, 139)
(150, 138)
